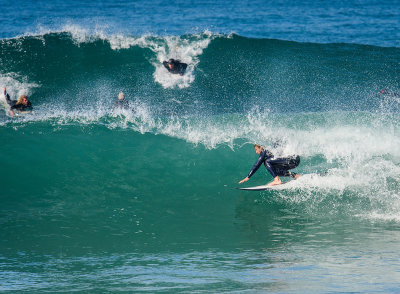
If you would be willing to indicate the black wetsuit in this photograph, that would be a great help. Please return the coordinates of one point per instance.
(276, 167)
(14, 106)
(121, 104)
(178, 68)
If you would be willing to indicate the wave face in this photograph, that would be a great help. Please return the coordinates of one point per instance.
(225, 73)
(78, 165)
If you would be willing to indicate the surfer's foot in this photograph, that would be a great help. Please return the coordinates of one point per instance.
(297, 176)
(275, 182)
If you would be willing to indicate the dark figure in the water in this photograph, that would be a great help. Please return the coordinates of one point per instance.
(121, 102)
(278, 167)
(175, 66)
(22, 104)
(387, 93)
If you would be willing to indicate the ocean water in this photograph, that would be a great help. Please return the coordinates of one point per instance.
(96, 199)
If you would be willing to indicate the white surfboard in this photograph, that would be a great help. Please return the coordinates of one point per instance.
(263, 187)
(257, 188)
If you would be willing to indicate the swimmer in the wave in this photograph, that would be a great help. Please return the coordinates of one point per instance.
(122, 103)
(386, 93)
(175, 66)
(278, 167)
(22, 104)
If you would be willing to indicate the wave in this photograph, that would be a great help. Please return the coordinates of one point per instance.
(350, 161)
(320, 101)
(221, 67)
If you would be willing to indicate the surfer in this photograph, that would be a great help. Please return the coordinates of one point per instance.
(121, 102)
(390, 94)
(278, 167)
(22, 104)
(174, 66)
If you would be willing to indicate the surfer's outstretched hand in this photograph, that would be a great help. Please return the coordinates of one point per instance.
(244, 180)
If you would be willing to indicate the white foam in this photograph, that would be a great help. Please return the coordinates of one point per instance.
(183, 49)
(382, 216)
(186, 49)
(16, 86)
(208, 132)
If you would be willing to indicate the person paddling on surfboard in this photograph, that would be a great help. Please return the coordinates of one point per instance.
(175, 66)
(22, 104)
(278, 167)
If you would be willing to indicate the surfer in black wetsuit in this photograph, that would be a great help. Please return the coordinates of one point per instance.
(175, 66)
(121, 103)
(22, 104)
(278, 167)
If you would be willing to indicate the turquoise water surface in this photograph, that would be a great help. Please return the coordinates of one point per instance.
(96, 199)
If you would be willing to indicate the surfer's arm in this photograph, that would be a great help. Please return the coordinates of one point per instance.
(6, 96)
(255, 167)
(182, 68)
(12, 109)
(165, 63)
(8, 100)
(244, 180)
(253, 170)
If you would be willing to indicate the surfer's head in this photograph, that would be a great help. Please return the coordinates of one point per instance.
(121, 96)
(258, 148)
(171, 63)
(23, 99)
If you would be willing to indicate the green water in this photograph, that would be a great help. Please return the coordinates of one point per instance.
(98, 200)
